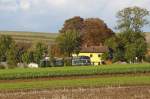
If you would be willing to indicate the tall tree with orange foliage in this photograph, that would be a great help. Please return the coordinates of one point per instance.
(75, 23)
(93, 31)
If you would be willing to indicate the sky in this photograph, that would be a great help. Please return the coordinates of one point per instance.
(49, 15)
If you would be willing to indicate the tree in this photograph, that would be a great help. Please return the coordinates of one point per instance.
(22, 48)
(95, 31)
(39, 52)
(11, 55)
(105, 56)
(5, 44)
(69, 42)
(130, 53)
(141, 48)
(130, 23)
(112, 42)
(55, 51)
(132, 19)
(75, 23)
(26, 57)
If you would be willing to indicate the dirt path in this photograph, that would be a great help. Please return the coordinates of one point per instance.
(128, 92)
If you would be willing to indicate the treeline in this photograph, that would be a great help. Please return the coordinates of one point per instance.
(12, 52)
(129, 45)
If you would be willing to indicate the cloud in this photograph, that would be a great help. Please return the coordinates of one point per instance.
(57, 3)
(8, 5)
(49, 15)
(25, 4)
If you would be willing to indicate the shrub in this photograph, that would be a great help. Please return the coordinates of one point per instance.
(147, 58)
(2, 66)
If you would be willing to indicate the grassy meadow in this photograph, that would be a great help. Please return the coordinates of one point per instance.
(27, 73)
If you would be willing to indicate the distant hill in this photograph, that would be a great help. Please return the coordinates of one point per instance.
(30, 36)
(38, 36)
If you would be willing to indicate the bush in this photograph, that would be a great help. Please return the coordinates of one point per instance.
(2, 67)
(45, 63)
(147, 58)
(105, 56)
(67, 62)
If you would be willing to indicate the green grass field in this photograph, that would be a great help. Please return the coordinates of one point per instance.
(72, 71)
(76, 83)
(130, 76)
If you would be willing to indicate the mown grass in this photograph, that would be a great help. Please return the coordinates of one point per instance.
(72, 71)
(73, 83)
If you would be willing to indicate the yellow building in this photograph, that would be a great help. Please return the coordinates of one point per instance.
(94, 52)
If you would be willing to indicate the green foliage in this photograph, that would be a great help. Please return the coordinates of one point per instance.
(2, 66)
(132, 18)
(147, 58)
(5, 45)
(39, 52)
(73, 71)
(128, 46)
(45, 63)
(11, 56)
(105, 56)
(69, 42)
(26, 58)
(8, 51)
(130, 52)
(67, 62)
(131, 42)
(111, 42)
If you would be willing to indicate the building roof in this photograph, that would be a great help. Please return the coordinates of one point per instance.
(94, 49)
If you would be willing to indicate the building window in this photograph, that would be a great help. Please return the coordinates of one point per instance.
(91, 55)
(99, 55)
